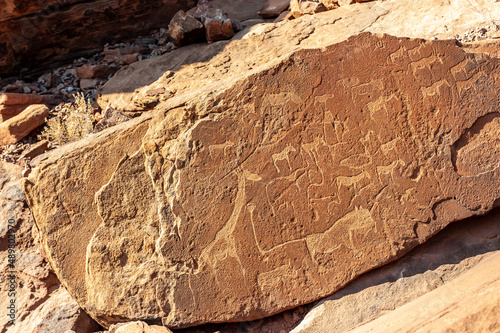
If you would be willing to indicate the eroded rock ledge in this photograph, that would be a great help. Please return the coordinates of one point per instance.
(281, 189)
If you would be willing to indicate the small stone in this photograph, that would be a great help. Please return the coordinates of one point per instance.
(12, 88)
(86, 84)
(110, 117)
(184, 29)
(35, 150)
(45, 80)
(218, 25)
(128, 59)
(27, 90)
(200, 9)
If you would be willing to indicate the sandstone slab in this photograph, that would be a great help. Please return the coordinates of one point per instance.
(435, 264)
(41, 304)
(275, 189)
(11, 104)
(36, 150)
(16, 128)
(470, 303)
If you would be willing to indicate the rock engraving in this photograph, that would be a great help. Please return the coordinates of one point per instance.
(302, 177)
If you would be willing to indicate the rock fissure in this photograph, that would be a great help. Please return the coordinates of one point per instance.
(271, 194)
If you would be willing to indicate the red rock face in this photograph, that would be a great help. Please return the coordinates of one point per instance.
(300, 177)
(34, 33)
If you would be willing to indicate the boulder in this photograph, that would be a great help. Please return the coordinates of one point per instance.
(273, 187)
(185, 29)
(41, 303)
(217, 25)
(11, 104)
(111, 117)
(16, 128)
(102, 160)
(34, 35)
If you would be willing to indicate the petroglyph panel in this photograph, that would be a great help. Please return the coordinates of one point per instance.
(301, 178)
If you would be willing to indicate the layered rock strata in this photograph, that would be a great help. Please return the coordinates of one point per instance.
(255, 195)
(36, 32)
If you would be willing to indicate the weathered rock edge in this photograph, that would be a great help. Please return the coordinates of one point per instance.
(280, 189)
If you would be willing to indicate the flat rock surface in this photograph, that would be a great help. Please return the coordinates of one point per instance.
(261, 193)
(435, 264)
(470, 303)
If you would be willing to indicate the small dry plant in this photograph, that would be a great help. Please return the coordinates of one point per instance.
(488, 9)
(73, 122)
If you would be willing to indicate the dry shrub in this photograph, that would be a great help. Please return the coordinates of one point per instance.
(74, 121)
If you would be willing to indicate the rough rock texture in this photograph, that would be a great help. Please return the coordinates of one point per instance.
(77, 195)
(111, 117)
(470, 303)
(306, 7)
(217, 25)
(34, 34)
(436, 263)
(128, 90)
(273, 8)
(16, 128)
(185, 29)
(255, 195)
(42, 305)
